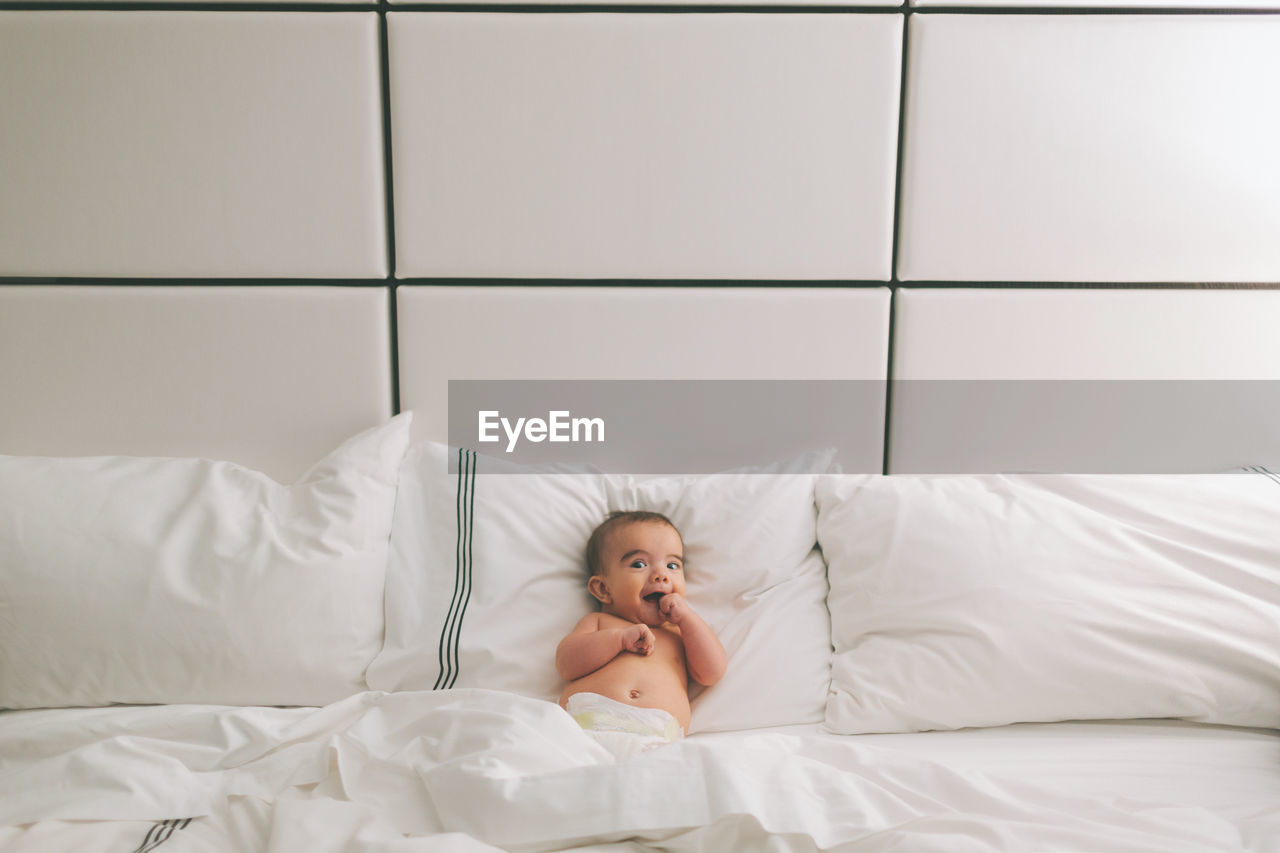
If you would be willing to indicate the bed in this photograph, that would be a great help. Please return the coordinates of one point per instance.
(906, 310)
(422, 723)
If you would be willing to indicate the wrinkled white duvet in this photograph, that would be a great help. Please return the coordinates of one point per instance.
(475, 769)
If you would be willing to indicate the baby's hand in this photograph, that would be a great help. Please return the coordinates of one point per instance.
(674, 607)
(638, 638)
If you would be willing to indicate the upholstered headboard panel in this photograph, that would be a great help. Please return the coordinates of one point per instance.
(1100, 148)
(836, 335)
(190, 144)
(250, 232)
(645, 146)
(1105, 381)
(271, 377)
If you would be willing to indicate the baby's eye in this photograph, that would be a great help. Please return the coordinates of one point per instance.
(675, 567)
(639, 564)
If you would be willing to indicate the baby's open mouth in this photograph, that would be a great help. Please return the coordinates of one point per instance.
(654, 597)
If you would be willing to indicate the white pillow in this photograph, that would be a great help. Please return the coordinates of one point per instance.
(151, 580)
(487, 574)
(985, 600)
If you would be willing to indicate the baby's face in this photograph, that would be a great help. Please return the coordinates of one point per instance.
(642, 561)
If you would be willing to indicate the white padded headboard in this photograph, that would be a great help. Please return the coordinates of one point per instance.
(271, 377)
(503, 182)
(596, 145)
(196, 143)
(1084, 380)
(1101, 148)
(659, 333)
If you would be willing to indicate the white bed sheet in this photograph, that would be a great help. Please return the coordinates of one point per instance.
(476, 769)
(1232, 771)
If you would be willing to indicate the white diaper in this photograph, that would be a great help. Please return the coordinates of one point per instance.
(623, 729)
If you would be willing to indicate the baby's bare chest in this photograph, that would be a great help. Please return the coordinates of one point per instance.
(668, 646)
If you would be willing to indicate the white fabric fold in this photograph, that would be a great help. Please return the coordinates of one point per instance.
(471, 770)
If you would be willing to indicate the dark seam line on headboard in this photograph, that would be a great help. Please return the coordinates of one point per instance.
(893, 252)
(1092, 285)
(649, 9)
(179, 6)
(193, 282)
(381, 8)
(27, 281)
(643, 282)
(1067, 9)
(388, 190)
(897, 174)
(393, 337)
(388, 182)
(888, 380)
(11, 281)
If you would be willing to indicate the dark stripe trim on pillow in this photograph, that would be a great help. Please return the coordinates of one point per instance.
(160, 833)
(466, 595)
(450, 634)
(1271, 475)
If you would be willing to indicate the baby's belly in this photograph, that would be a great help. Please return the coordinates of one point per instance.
(640, 681)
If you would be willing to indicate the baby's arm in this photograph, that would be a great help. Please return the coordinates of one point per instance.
(589, 647)
(703, 653)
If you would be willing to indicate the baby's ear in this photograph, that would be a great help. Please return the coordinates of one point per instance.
(598, 588)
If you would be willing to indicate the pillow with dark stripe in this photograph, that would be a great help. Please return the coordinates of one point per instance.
(487, 574)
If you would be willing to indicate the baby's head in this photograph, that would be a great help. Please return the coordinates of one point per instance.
(635, 558)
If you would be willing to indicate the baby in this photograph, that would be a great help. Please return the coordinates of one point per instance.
(628, 665)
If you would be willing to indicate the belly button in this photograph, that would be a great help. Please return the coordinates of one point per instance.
(635, 694)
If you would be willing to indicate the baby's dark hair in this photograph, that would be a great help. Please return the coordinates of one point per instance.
(617, 518)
